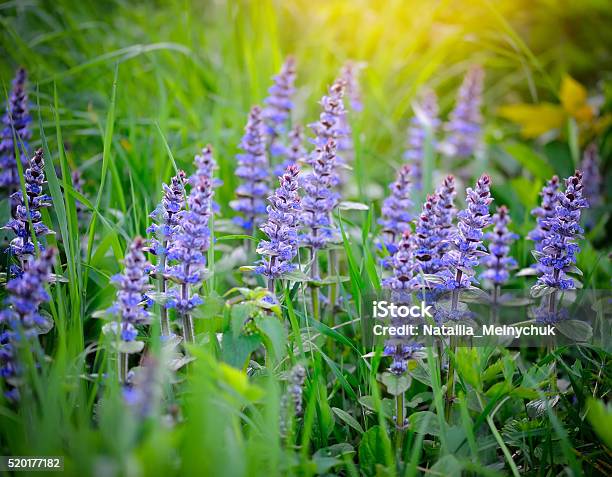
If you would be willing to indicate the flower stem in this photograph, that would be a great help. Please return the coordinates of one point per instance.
(399, 422)
(450, 379)
(122, 363)
(314, 274)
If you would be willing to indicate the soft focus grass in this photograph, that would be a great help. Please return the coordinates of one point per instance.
(122, 90)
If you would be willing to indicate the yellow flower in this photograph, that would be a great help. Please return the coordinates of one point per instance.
(536, 119)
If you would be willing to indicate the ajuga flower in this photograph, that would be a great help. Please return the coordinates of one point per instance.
(350, 73)
(498, 263)
(403, 266)
(425, 118)
(166, 214)
(296, 152)
(559, 247)
(466, 246)
(464, 127)
(22, 245)
(545, 212)
(396, 216)
(401, 284)
(426, 238)
(445, 213)
(320, 199)
(281, 228)
(331, 123)
(22, 318)
(16, 122)
(252, 170)
(132, 285)
(277, 112)
(591, 177)
(190, 245)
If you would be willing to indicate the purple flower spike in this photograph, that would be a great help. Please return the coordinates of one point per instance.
(545, 212)
(320, 199)
(396, 209)
(132, 284)
(401, 284)
(591, 177)
(426, 238)
(253, 172)
(22, 246)
(464, 127)
(445, 213)
(403, 266)
(498, 263)
(167, 216)
(425, 117)
(466, 246)
(23, 320)
(278, 107)
(559, 247)
(281, 228)
(16, 123)
(331, 123)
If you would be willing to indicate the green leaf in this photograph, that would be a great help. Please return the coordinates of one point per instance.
(424, 422)
(348, 419)
(600, 417)
(274, 333)
(347, 205)
(530, 160)
(448, 466)
(239, 314)
(372, 450)
(212, 307)
(396, 385)
(235, 350)
(129, 347)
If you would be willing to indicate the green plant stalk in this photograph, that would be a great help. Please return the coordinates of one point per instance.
(314, 290)
(450, 380)
(122, 363)
(399, 423)
(186, 319)
(333, 287)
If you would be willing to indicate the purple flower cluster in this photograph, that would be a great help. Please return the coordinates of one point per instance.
(396, 216)
(426, 238)
(401, 284)
(166, 214)
(252, 170)
(28, 211)
(279, 104)
(544, 213)
(466, 246)
(559, 250)
(320, 198)
(425, 119)
(132, 284)
(591, 177)
(22, 318)
(445, 213)
(15, 121)
(499, 263)
(142, 389)
(464, 127)
(191, 243)
(332, 123)
(281, 228)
